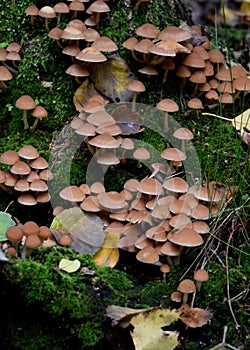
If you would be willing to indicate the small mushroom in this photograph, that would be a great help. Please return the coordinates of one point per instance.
(186, 287)
(25, 103)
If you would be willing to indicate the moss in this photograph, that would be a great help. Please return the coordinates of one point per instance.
(75, 300)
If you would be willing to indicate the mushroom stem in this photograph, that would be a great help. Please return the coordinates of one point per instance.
(33, 127)
(25, 120)
(133, 102)
(170, 262)
(165, 123)
(47, 24)
(137, 58)
(184, 298)
(3, 87)
(13, 70)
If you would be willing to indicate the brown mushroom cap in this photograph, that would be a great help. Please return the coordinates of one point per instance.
(136, 86)
(173, 154)
(176, 185)
(175, 33)
(9, 157)
(5, 74)
(20, 168)
(65, 240)
(148, 255)
(91, 54)
(27, 198)
(72, 33)
(104, 44)
(32, 241)
(25, 102)
(39, 163)
(47, 12)
(72, 193)
(195, 103)
(14, 234)
(147, 30)
(167, 105)
(39, 112)
(186, 286)
(30, 228)
(201, 275)
(28, 152)
(150, 186)
(186, 237)
(183, 134)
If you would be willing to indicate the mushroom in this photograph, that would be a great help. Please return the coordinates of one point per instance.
(39, 112)
(32, 11)
(200, 276)
(186, 287)
(14, 234)
(25, 103)
(167, 105)
(183, 134)
(96, 8)
(47, 12)
(31, 242)
(136, 86)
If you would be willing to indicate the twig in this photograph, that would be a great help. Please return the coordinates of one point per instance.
(6, 209)
(223, 345)
(228, 284)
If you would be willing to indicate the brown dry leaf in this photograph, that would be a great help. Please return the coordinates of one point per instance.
(241, 123)
(108, 254)
(147, 333)
(82, 94)
(196, 317)
(121, 315)
(111, 79)
(85, 230)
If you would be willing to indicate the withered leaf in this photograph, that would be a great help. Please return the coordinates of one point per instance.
(196, 317)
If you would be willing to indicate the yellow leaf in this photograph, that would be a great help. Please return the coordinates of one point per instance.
(69, 265)
(111, 79)
(147, 333)
(108, 254)
(240, 123)
(82, 94)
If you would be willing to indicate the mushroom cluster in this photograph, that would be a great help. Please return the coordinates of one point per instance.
(157, 217)
(9, 57)
(24, 238)
(186, 52)
(26, 176)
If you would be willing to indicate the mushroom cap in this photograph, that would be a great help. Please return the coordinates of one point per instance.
(176, 296)
(195, 103)
(72, 33)
(61, 7)
(39, 163)
(130, 43)
(25, 102)
(136, 86)
(38, 186)
(216, 56)
(91, 54)
(90, 204)
(77, 70)
(198, 77)
(143, 46)
(186, 286)
(39, 112)
(147, 30)
(141, 153)
(72, 193)
(71, 49)
(194, 60)
(20, 168)
(5, 74)
(55, 33)
(10, 179)
(242, 84)
(175, 33)
(171, 249)
(176, 185)
(32, 10)
(46, 175)
(100, 117)
(22, 185)
(76, 6)
(14, 234)
(90, 34)
(200, 226)
(98, 6)
(28, 152)
(30, 228)
(183, 134)
(44, 232)
(173, 154)
(27, 198)
(200, 212)
(148, 255)
(104, 44)
(105, 141)
(167, 105)
(107, 158)
(9, 157)
(43, 197)
(47, 12)
(150, 186)
(112, 200)
(201, 275)
(179, 221)
(186, 237)
(65, 240)
(33, 241)
(165, 268)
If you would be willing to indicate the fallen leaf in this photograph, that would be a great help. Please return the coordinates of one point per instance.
(82, 94)
(120, 314)
(5, 222)
(241, 123)
(69, 265)
(196, 317)
(85, 230)
(108, 254)
(111, 79)
(147, 333)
